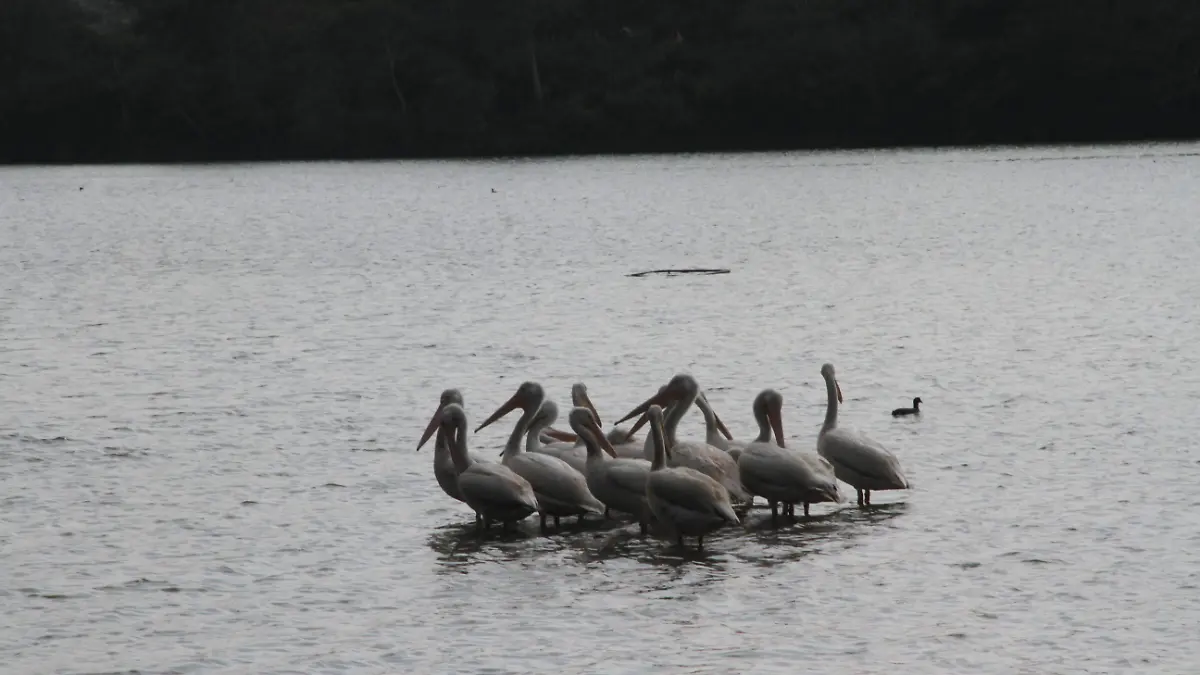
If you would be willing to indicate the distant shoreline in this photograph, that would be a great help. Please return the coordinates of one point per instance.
(484, 157)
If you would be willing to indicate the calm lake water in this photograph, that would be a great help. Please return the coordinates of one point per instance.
(213, 379)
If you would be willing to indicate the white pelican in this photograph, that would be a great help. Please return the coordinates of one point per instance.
(560, 489)
(443, 464)
(618, 482)
(682, 390)
(575, 455)
(778, 474)
(685, 501)
(715, 432)
(856, 459)
(493, 490)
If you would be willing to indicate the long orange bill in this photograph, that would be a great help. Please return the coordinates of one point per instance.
(640, 423)
(565, 436)
(777, 426)
(838, 385)
(432, 426)
(587, 401)
(721, 427)
(662, 398)
(594, 426)
(509, 406)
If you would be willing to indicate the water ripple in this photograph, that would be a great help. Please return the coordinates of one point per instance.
(212, 381)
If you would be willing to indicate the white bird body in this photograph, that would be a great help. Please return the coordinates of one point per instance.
(560, 489)
(494, 491)
(686, 502)
(618, 482)
(777, 473)
(856, 459)
(682, 391)
(444, 469)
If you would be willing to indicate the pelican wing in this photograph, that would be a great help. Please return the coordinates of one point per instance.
(628, 475)
(773, 465)
(555, 481)
(689, 489)
(862, 455)
(496, 486)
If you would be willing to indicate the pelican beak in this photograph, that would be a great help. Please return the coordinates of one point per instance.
(587, 402)
(839, 389)
(722, 428)
(594, 426)
(640, 423)
(662, 398)
(564, 436)
(431, 427)
(776, 420)
(509, 405)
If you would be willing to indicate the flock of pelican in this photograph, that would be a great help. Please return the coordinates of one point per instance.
(688, 487)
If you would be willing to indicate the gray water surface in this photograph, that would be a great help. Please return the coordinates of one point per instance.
(212, 382)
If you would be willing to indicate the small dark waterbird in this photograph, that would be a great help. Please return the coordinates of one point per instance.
(914, 410)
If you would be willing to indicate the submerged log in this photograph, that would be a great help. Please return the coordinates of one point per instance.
(689, 270)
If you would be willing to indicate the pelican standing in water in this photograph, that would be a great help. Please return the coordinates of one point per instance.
(778, 474)
(856, 459)
(443, 464)
(560, 489)
(682, 391)
(685, 501)
(493, 490)
(619, 482)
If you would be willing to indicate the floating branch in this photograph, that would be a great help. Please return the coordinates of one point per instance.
(690, 270)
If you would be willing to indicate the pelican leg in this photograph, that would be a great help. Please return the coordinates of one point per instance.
(544, 520)
(867, 494)
(700, 543)
(556, 522)
(860, 497)
(680, 541)
(775, 515)
(606, 516)
(805, 509)
(642, 526)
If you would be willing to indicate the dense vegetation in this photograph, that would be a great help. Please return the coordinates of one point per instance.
(114, 80)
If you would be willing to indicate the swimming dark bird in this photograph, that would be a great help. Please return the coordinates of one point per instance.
(915, 410)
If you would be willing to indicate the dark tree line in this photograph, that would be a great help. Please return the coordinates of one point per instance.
(150, 80)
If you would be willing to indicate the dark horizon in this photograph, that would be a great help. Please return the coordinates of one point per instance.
(189, 81)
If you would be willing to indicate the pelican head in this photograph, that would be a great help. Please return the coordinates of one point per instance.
(449, 396)
(703, 398)
(579, 398)
(584, 423)
(453, 419)
(681, 388)
(529, 396)
(768, 407)
(828, 373)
